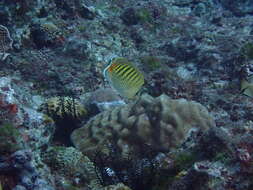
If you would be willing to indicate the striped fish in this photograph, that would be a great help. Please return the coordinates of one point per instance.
(124, 77)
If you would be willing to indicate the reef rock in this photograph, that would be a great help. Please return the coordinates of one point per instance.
(161, 122)
(119, 186)
(239, 8)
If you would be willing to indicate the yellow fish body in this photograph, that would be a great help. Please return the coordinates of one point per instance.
(124, 77)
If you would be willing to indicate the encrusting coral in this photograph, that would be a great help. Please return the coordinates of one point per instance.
(161, 122)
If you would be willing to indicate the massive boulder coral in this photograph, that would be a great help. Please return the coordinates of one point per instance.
(161, 122)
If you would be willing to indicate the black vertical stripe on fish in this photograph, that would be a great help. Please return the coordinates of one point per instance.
(135, 80)
(132, 76)
(125, 68)
(127, 73)
(118, 69)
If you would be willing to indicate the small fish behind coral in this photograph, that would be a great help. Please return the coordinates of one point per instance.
(124, 77)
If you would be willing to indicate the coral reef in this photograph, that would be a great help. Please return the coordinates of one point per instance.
(196, 50)
(162, 123)
(18, 108)
(19, 166)
(22, 127)
(10, 139)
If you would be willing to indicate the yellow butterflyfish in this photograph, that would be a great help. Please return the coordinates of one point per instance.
(124, 77)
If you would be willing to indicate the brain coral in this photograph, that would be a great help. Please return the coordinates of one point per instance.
(160, 122)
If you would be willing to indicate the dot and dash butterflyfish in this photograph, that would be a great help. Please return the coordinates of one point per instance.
(124, 77)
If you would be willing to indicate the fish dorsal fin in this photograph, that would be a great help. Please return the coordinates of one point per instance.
(116, 61)
(122, 60)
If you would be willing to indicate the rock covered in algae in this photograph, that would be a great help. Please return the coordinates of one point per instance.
(161, 122)
(10, 139)
(119, 186)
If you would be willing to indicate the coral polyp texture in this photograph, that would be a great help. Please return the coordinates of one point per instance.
(161, 122)
(63, 107)
(69, 162)
(67, 112)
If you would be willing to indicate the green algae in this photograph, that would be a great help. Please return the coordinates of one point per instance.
(247, 50)
(151, 62)
(223, 157)
(184, 160)
(144, 15)
(10, 139)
